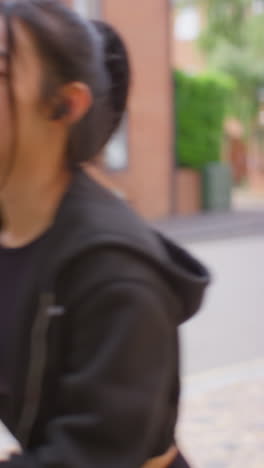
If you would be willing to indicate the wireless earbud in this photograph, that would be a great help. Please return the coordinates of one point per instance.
(61, 110)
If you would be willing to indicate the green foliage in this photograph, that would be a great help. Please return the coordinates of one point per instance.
(233, 43)
(225, 20)
(201, 104)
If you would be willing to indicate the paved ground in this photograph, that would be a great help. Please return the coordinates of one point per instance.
(204, 226)
(224, 427)
(222, 417)
(229, 329)
(243, 199)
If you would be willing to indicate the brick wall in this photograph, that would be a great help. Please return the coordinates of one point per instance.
(147, 181)
(186, 54)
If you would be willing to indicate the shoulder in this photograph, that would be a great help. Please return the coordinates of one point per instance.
(103, 240)
(92, 215)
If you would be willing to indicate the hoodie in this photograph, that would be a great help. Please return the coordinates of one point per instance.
(96, 368)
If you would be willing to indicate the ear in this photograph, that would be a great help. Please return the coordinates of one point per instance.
(79, 100)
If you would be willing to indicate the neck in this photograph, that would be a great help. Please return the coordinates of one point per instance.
(29, 202)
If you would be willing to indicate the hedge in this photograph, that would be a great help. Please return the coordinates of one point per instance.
(201, 103)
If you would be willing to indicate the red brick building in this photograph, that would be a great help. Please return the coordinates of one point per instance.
(139, 160)
(187, 23)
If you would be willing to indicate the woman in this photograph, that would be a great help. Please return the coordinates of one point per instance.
(91, 298)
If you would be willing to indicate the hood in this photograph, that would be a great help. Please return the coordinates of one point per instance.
(90, 217)
(186, 276)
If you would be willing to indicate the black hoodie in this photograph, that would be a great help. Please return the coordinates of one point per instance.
(95, 370)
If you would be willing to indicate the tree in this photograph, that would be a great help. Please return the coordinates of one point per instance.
(232, 42)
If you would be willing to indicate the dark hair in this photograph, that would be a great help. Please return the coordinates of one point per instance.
(118, 68)
(75, 50)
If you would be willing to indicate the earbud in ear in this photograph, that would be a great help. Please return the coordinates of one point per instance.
(61, 110)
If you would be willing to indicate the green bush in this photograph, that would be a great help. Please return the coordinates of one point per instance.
(201, 104)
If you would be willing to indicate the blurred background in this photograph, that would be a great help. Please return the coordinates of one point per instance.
(189, 157)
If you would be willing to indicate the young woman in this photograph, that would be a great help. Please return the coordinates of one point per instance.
(90, 297)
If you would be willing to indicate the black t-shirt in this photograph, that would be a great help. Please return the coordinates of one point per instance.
(13, 264)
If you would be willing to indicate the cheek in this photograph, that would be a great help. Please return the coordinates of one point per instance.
(26, 88)
(27, 108)
(5, 132)
(4, 98)
(5, 116)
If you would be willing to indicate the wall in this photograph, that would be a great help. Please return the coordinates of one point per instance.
(147, 181)
(185, 53)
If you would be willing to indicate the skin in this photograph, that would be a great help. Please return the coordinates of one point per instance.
(31, 191)
(5, 111)
(164, 461)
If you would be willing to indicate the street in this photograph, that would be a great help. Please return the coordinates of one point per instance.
(222, 407)
(229, 328)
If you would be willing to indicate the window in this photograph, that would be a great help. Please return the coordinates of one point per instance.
(258, 7)
(116, 154)
(187, 24)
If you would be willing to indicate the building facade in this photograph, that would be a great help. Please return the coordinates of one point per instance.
(187, 22)
(138, 161)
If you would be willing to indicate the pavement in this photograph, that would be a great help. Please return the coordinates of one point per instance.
(245, 218)
(221, 422)
(212, 226)
(222, 410)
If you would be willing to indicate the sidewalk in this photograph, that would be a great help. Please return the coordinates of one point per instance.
(221, 422)
(245, 219)
(212, 226)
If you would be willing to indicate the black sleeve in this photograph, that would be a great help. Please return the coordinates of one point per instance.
(115, 391)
